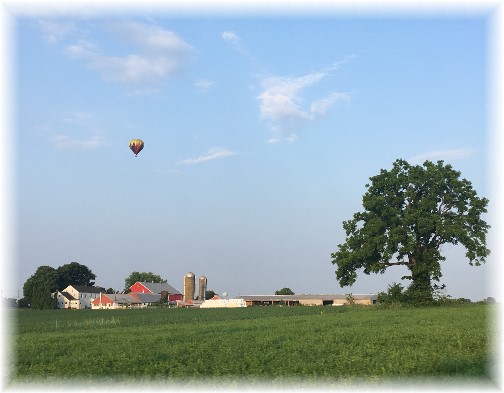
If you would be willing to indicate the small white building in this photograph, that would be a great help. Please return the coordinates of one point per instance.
(77, 296)
(217, 302)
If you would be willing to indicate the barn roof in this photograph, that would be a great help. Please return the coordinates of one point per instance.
(123, 298)
(85, 289)
(147, 297)
(158, 287)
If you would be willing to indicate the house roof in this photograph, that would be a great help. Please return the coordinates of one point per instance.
(67, 295)
(85, 289)
(158, 287)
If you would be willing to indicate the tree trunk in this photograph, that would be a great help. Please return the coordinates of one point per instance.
(420, 288)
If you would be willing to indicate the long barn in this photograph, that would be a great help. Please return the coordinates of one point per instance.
(308, 300)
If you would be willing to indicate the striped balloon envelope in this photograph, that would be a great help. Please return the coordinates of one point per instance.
(136, 146)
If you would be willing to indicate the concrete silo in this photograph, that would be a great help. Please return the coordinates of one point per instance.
(189, 286)
(202, 288)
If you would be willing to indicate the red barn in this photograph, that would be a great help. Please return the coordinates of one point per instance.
(157, 288)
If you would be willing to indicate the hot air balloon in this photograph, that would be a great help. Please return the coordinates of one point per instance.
(136, 146)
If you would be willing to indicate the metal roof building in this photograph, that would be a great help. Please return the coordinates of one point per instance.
(309, 300)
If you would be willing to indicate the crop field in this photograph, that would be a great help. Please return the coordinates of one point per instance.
(269, 344)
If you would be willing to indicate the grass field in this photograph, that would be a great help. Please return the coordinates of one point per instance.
(259, 343)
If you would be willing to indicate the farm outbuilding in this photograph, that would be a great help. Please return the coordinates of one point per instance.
(217, 302)
(124, 300)
(157, 288)
(308, 300)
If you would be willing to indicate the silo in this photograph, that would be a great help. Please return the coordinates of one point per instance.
(189, 286)
(202, 288)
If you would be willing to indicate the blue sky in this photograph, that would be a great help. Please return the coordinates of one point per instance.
(260, 134)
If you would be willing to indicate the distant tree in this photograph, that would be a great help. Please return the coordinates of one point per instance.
(141, 276)
(410, 212)
(74, 273)
(23, 303)
(209, 294)
(111, 291)
(39, 286)
(284, 291)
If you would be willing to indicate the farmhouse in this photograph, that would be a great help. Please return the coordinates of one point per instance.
(161, 289)
(76, 296)
(308, 300)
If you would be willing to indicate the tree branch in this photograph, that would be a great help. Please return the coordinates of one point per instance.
(394, 263)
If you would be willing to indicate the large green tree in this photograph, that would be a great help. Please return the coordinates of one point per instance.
(141, 276)
(39, 286)
(46, 280)
(409, 212)
(74, 273)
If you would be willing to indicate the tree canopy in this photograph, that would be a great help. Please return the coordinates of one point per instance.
(39, 286)
(46, 280)
(284, 291)
(409, 212)
(141, 276)
(74, 273)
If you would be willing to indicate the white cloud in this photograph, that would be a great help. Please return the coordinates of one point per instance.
(445, 155)
(159, 53)
(68, 142)
(78, 130)
(54, 32)
(235, 41)
(320, 107)
(212, 154)
(204, 85)
(230, 36)
(292, 138)
(281, 100)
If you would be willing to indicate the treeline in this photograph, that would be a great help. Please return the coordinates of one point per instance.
(39, 287)
(46, 280)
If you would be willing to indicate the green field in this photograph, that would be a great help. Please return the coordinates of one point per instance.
(317, 344)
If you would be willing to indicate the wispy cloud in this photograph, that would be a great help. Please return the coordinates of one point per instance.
(445, 155)
(231, 37)
(55, 31)
(78, 130)
(281, 100)
(204, 85)
(68, 142)
(236, 42)
(157, 53)
(212, 154)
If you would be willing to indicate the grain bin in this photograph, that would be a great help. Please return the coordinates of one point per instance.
(189, 286)
(202, 288)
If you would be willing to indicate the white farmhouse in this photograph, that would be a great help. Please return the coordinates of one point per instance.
(77, 296)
